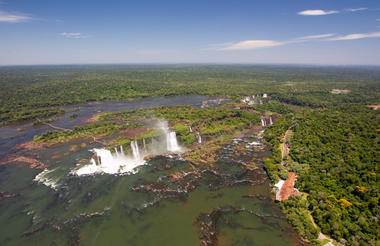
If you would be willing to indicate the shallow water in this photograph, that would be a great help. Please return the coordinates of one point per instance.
(10, 136)
(129, 217)
(104, 209)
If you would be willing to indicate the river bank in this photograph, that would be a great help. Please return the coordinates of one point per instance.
(220, 177)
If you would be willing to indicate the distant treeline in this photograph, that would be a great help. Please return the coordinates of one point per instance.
(26, 90)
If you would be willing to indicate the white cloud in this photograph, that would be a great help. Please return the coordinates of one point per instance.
(319, 36)
(357, 9)
(72, 35)
(252, 44)
(317, 12)
(13, 18)
(357, 36)
(257, 44)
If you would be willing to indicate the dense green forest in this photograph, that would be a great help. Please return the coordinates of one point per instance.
(333, 138)
(336, 157)
(340, 148)
(37, 91)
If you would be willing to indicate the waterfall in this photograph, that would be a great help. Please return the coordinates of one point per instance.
(190, 129)
(270, 120)
(265, 95)
(171, 141)
(263, 123)
(154, 144)
(105, 161)
(135, 150)
(171, 137)
(199, 137)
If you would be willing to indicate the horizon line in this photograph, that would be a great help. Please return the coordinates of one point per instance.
(194, 63)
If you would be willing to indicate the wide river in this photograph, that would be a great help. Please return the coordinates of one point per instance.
(106, 209)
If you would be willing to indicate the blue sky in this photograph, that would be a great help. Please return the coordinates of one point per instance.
(335, 32)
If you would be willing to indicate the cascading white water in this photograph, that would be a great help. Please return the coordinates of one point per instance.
(112, 163)
(171, 141)
(199, 137)
(270, 120)
(135, 150)
(190, 129)
(119, 162)
(47, 178)
(144, 144)
(170, 136)
(263, 123)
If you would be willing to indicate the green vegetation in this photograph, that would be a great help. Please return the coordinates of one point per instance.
(8, 117)
(184, 134)
(30, 92)
(296, 209)
(102, 128)
(273, 107)
(333, 140)
(41, 122)
(215, 124)
(275, 135)
(73, 116)
(341, 148)
(121, 140)
(335, 155)
(209, 122)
